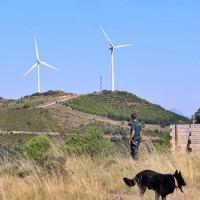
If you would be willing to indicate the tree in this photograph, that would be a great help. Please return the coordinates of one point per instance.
(197, 116)
(37, 146)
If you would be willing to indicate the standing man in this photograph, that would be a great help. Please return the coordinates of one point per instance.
(135, 136)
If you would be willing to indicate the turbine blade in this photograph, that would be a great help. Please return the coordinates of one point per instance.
(111, 44)
(48, 65)
(125, 45)
(36, 49)
(31, 68)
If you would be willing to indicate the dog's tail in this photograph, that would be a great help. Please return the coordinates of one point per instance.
(129, 182)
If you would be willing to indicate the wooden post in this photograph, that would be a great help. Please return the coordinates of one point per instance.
(176, 136)
(172, 134)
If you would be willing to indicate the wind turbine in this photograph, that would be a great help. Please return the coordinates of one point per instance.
(112, 47)
(38, 65)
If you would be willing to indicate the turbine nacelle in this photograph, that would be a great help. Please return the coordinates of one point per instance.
(111, 48)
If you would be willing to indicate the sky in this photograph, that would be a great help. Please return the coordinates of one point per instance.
(162, 66)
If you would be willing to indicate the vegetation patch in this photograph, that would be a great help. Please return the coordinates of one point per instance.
(30, 120)
(119, 106)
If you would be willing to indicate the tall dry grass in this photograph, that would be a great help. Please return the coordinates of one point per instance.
(99, 179)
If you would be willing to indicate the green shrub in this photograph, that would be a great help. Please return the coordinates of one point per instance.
(93, 143)
(97, 143)
(26, 106)
(37, 146)
(76, 144)
(115, 139)
(164, 143)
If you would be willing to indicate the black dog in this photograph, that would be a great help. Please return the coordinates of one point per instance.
(162, 184)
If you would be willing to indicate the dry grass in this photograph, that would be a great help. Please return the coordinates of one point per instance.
(97, 180)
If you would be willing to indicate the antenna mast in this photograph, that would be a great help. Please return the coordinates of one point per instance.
(100, 83)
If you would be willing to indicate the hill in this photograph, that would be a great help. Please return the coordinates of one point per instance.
(119, 105)
(22, 116)
(61, 112)
(174, 110)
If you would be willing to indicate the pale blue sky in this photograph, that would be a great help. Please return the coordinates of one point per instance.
(162, 66)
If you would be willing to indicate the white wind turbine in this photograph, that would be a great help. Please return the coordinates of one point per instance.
(38, 65)
(112, 61)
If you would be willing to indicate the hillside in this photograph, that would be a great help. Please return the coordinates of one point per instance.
(23, 115)
(119, 105)
(72, 114)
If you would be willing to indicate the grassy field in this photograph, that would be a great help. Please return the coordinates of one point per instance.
(81, 178)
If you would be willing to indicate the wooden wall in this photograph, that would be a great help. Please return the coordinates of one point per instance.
(185, 137)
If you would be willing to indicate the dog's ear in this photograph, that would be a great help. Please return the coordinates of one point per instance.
(180, 173)
(176, 172)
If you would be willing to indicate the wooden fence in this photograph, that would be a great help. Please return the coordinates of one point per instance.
(185, 137)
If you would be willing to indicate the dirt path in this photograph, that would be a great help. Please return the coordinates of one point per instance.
(52, 103)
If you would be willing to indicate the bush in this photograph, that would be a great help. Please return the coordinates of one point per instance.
(37, 146)
(163, 125)
(93, 143)
(124, 138)
(97, 144)
(76, 144)
(115, 139)
(26, 106)
(164, 144)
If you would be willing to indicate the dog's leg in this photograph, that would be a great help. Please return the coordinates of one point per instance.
(142, 190)
(157, 195)
(141, 187)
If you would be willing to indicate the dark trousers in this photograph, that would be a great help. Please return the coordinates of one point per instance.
(134, 150)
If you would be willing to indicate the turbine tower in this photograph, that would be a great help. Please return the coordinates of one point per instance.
(38, 66)
(112, 48)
